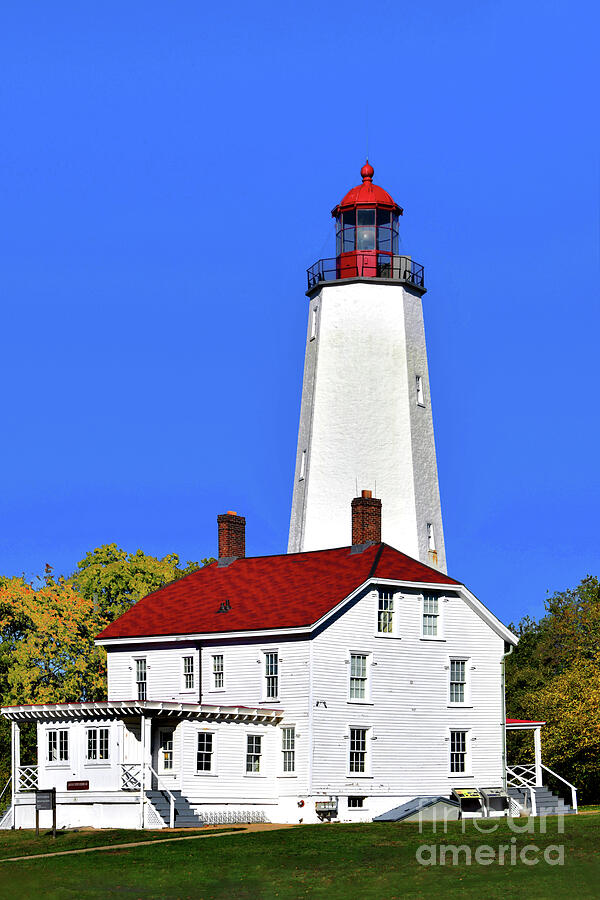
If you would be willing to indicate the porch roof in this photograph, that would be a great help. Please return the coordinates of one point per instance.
(119, 709)
(516, 724)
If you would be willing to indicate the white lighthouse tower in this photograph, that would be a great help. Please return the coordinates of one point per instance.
(365, 419)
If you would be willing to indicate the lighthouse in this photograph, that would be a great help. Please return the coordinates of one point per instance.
(366, 423)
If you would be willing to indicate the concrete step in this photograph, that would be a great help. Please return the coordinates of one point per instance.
(185, 816)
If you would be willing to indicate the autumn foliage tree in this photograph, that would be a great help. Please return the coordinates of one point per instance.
(554, 676)
(47, 628)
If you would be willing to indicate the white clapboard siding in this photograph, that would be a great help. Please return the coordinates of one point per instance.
(408, 713)
(228, 782)
(164, 672)
(103, 775)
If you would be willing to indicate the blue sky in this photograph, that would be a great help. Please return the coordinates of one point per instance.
(166, 176)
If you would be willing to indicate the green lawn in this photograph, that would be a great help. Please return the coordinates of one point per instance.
(327, 862)
(23, 843)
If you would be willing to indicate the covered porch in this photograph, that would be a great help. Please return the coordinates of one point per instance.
(121, 761)
(527, 781)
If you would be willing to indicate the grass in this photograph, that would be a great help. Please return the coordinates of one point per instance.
(325, 862)
(24, 842)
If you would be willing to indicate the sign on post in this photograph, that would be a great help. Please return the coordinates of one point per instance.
(45, 800)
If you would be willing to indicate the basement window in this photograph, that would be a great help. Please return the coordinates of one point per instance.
(356, 802)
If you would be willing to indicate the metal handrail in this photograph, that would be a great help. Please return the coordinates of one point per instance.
(568, 783)
(171, 797)
(367, 264)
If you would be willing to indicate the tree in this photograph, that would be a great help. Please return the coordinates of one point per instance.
(554, 676)
(115, 580)
(48, 644)
(47, 631)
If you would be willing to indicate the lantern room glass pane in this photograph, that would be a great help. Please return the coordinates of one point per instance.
(395, 235)
(365, 237)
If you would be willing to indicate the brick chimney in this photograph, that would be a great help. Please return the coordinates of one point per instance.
(366, 519)
(232, 535)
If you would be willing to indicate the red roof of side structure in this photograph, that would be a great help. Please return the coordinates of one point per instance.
(287, 591)
(524, 722)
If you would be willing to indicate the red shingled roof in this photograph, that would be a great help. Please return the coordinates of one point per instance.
(287, 591)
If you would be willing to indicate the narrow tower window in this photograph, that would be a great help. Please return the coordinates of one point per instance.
(420, 395)
(314, 321)
(430, 536)
(302, 466)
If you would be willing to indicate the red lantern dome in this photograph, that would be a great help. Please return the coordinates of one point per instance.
(366, 229)
(367, 194)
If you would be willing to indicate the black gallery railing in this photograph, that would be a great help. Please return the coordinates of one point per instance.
(367, 265)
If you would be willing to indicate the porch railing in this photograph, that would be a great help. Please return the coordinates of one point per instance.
(525, 776)
(27, 778)
(517, 780)
(568, 784)
(5, 798)
(131, 776)
(169, 794)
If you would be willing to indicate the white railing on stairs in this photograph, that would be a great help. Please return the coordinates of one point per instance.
(568, 784)
(168, 792)
(515, 779)
(5, 802)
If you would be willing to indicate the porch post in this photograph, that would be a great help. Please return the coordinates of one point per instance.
(143, 768)
(15, 736)
(537, 748)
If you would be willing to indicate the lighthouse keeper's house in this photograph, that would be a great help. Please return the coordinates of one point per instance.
(261, 688)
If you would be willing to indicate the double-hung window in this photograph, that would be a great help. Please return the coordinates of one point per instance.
(58, 745)
(271, 688)
(458, 751)
(385, 612)
(218, 672)
(458, 680)
(204, 761)
(253, 753)
(97, 744)
(358, 676)
(166, 750)
(141, 679)
(288, 749)
(431, 615)
(357, 763)
(188, 673)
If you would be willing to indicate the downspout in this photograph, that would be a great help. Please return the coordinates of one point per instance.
(503, 690)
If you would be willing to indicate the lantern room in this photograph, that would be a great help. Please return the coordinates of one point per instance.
(366, 223)
(367, 240)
